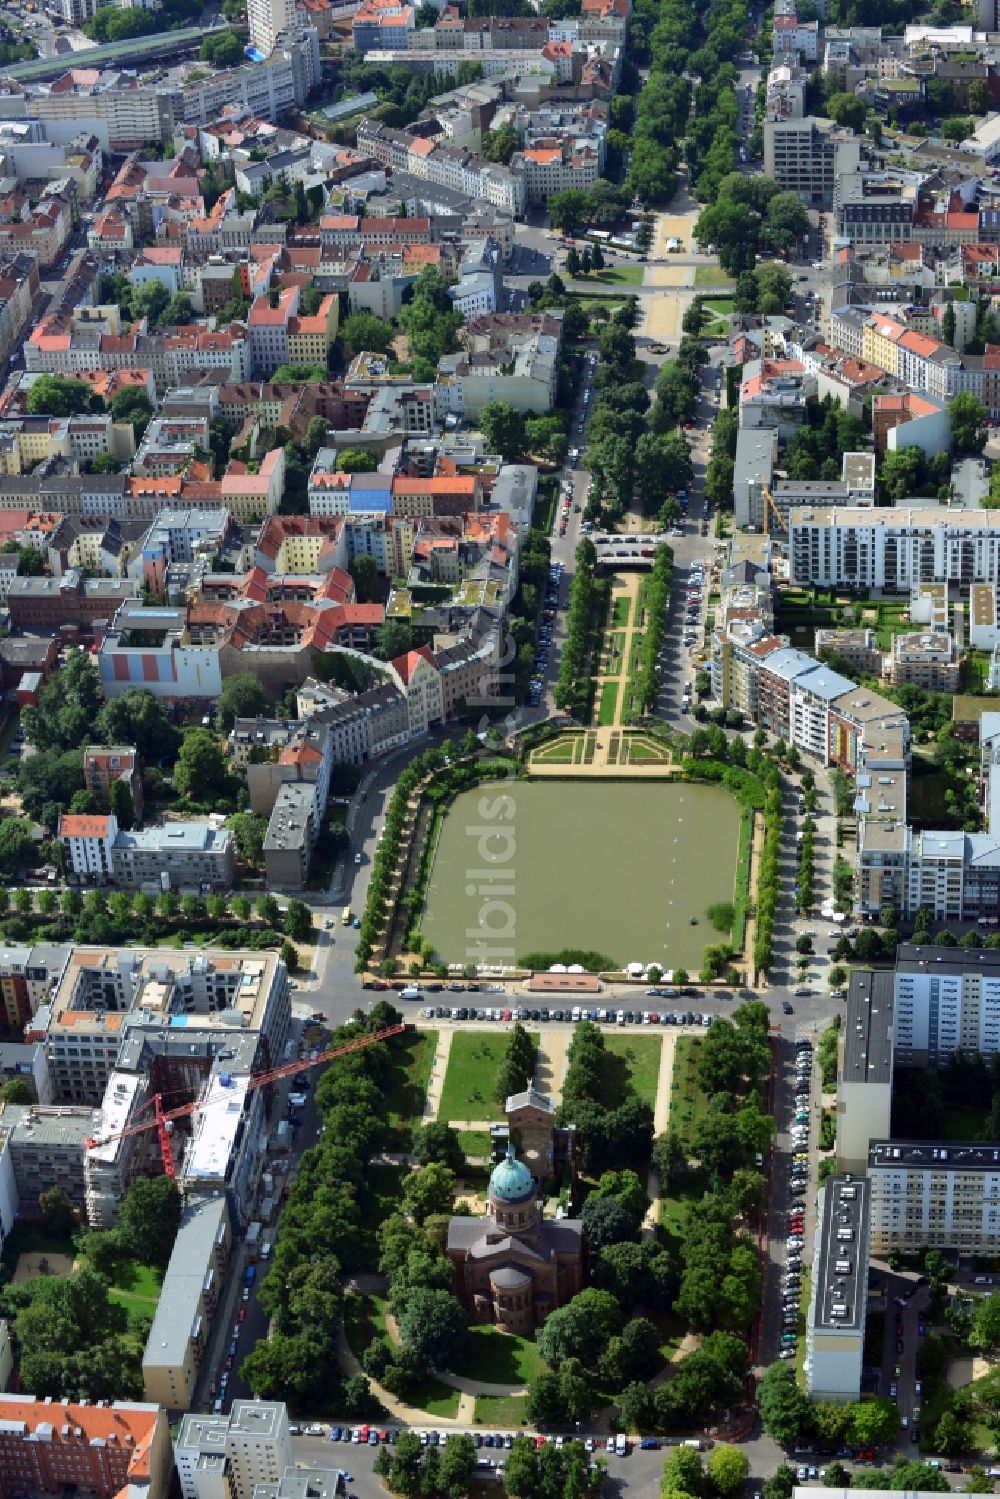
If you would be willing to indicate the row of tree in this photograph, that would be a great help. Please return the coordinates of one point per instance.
(585, 616)
(655, 601)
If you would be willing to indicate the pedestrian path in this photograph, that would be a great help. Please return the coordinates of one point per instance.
(552, 1060)
(661, 1119)
(439, 1068)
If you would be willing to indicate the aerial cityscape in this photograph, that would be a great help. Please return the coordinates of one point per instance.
(499, 748)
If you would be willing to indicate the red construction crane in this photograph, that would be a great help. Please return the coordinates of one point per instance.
(163, 1118)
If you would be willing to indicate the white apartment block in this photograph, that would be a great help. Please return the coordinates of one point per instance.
(267, 20)
(945, 1001)
(835, 1324)
(934, 1196)
(893, 549)
(806, 156)
(864, 1067)
(225, 1457)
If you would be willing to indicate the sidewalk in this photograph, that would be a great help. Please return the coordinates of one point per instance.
(439, 1068)
(661, 1119)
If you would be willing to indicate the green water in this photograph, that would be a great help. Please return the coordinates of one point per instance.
(612, 867)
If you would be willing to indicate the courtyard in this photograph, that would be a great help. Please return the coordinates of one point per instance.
(625, 870)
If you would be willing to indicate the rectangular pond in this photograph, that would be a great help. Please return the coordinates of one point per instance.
(529, 866)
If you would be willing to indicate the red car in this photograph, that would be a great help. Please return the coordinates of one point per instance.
(229, 1361)
(539, 1442)
(241, 1315)
(506, 1015)
(383, 1435)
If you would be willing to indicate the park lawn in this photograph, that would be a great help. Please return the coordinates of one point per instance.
(642, 1061)
(647, 751)
(437, 1399)
(688, 1103)
(718, 305)
(674, 1209)
(473, 1064)
(364, 1321)
(501, 1412)
(499, 1358)
(712, 275)
(406, 1093)
(623, 605)
(474, 1142)
(671, 1329)
(625, 275)
(609, 703)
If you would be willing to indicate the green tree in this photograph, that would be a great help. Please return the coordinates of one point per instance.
(437, 1142)
(16, 1091)
(429, 1190)
(364, 332)
(201, 768)
(55, 395)
(847, 110)
(58, 1211)
(785, 1411)
(16, 843)
(874, 1423)
(947, 324)
(504, 430)
(968, 418)
(137, 718)
(728, 1468)
(683, 1472)
(148, 1218)
(298, 922)
(433, 1325)
(581, 1329)
(364, 572)
(242, 696)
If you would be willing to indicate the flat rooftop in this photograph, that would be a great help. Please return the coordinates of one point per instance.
(911, 958)
(868, 1027)
(842, 1259)
(921, 1155)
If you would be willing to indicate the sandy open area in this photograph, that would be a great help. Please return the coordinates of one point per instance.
(31, 1265)
(674, 226)
(662, 316)
(669, 275)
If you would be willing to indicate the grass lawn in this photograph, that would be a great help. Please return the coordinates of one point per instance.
(688, 1103)
(501, 1412)
(435, 1398)
(623, 605)
(475, 1142)
(642, 1061)
(413, 1054)
(497, 1358)
(800, 1347)
(741, 892)
(364, 1321)
(625, 275)
(712, 275)
(473, 1064)
(609, 703)
(719, 305)
(671, 1329)
(674, 1209)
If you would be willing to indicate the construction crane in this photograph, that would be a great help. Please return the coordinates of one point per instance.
(163, 1119)
(771, 511)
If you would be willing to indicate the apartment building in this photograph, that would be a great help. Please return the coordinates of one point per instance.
(926, 1195)
(197, 855)
(892, 550)
(86, 840)
(47, 1147)
(859, 649)
(835, 1322)
(945, 1002)
(931, 660)
(104, 767)
(267, 20)
(193, 1285)
(103, 1449)
(806, 156)
(864, 1066)
(231, 1454)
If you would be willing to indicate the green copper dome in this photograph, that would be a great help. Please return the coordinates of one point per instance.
(511, 1180)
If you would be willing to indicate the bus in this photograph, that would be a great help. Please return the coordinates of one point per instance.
(346, 917)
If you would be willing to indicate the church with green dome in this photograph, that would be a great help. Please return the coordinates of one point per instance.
(514, 1266)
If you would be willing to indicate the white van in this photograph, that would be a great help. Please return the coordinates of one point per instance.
(576, 1012)
(621, 1446)
(410, 992)
(265, 1250)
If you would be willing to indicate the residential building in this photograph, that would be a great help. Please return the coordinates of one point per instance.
(807, 156)
(929, 1195)
(835, 1322)
(47, 1147)
(858, 649)
(231, 1454)
(86, 839)
(892, 549)
(267, 20)
(864, 1066)
(104, 1449)
(193, 1286)
(945, 1003)
(929, 660)
(103, 767)
(173, 856)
